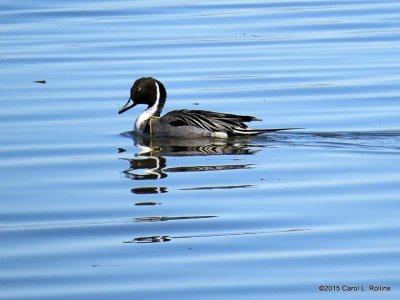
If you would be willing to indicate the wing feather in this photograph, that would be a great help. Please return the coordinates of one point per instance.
(230, 124)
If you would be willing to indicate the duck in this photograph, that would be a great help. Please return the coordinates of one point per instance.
(183, 123)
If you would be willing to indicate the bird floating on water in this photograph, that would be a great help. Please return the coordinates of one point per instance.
(183, 123)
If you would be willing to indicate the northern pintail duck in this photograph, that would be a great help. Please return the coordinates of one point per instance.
(183, 123)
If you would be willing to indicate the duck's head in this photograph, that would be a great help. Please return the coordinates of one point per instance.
(149, 91)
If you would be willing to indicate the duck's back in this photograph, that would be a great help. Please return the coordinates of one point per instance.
(200, 123)
(176, 125)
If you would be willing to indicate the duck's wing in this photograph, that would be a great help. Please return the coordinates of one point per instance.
(215, 122)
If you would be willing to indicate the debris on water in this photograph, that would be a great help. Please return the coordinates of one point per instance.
(40, 81)
(120, 150)
(146, 203)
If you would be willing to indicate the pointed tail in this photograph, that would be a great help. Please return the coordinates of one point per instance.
(252, 131)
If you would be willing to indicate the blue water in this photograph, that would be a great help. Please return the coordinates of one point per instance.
(89, 212)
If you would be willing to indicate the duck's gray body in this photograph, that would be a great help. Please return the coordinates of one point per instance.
(184, 124)
(200, 123)
(162, 127)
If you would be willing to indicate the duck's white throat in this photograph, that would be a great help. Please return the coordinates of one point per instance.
(141, 121)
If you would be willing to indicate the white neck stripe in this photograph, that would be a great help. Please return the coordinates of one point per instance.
(158, 94)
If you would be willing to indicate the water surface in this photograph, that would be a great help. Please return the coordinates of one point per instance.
(88, 211)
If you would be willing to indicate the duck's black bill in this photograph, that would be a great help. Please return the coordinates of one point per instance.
(127, 106)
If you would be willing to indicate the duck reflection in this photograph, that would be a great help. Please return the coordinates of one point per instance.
(149, 146)
(152, 168)
(166, 238)
(149, 190)
(150, 161)
(149, 164)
